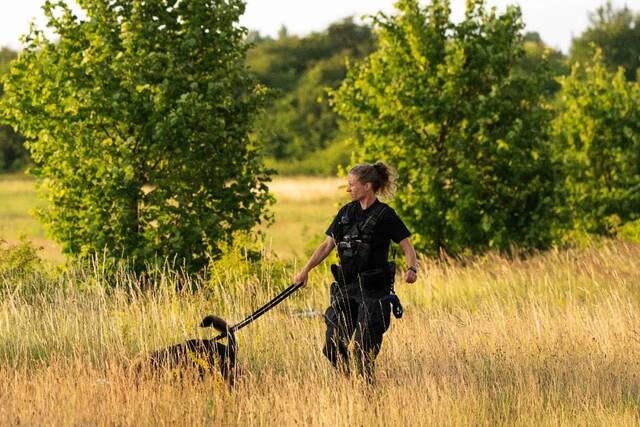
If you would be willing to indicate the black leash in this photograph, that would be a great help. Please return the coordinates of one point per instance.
(262, 310)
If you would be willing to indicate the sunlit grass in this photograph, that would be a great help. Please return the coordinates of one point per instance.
(547, 341)
(305, 206)
(550, 340)
(18, 202)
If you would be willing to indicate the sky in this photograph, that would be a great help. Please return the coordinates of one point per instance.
(557, 21)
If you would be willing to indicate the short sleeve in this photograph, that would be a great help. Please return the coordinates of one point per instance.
(396, 228)
(333, 227)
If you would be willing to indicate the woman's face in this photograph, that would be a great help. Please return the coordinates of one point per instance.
(356, 189)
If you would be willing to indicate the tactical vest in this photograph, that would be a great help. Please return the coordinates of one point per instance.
(354, 239)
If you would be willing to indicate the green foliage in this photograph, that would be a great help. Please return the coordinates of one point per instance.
(616, 32)
(18, 260)
(282, 62)
(300, 123)
(13, 155)
(138, 120)
(629, 231)
(238, 258)
(246, 261)
(537, 55)
(466, 127)
(597, 141)
(323, 162)
(6, 56)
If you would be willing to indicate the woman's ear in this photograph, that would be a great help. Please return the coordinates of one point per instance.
(368, 186)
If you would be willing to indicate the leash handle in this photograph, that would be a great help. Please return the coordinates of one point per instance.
(262, 310)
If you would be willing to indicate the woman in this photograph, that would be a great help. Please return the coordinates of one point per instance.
(362, 231)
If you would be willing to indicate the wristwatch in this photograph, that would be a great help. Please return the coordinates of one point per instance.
(413, 268)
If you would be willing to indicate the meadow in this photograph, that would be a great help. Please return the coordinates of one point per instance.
(549, 340)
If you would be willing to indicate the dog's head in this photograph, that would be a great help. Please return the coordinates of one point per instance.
(214, 321)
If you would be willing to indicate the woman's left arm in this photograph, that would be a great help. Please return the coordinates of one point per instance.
(410, 275)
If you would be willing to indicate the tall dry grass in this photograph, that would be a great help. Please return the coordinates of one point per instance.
(552, 340)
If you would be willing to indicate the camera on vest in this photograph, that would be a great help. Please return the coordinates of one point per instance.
(348, 247)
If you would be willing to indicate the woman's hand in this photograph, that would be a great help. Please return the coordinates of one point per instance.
(410, 276)
(301, 277)
(318, 255)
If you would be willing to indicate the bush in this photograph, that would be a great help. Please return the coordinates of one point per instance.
(20, 259)
(246, 266)
(325, 162)
(596, 136)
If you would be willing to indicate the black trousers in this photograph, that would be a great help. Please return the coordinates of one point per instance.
(358, 316)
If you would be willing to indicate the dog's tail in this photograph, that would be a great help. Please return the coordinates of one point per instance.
(222, 326)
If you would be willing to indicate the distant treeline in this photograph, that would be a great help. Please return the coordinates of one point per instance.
(301, 133)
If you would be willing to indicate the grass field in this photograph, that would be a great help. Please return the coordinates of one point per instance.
(551, 340)
(304, 209)
(17, 205)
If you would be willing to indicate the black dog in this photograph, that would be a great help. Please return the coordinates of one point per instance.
(203, 354)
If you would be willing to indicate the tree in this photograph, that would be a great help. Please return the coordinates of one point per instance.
(13, 155)
(300, 122)
(6, 56)
(138, 120)
(465, 126)
(616, 32)
(597, 141)
(538, 54)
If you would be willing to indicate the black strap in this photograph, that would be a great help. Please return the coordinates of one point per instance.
(348, 217)
(371, 221)
(262, 310)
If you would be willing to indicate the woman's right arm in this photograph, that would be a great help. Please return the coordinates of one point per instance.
(319, 254)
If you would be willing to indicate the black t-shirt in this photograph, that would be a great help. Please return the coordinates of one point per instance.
(388, 227)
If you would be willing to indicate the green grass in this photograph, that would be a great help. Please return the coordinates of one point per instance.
(305, 206)
(18, 203)
(17, 200)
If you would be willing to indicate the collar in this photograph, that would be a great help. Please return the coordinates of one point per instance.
(369, 208)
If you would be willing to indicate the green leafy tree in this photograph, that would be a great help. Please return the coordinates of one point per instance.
(300, 126)
(138, 120)
(597, 141)
(6, 56)
(537, 55)
(301, 121)
(448, 105)
(280, 63)
(616, 32)
(13, 155)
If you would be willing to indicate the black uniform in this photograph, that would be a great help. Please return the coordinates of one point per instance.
(363, 238)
